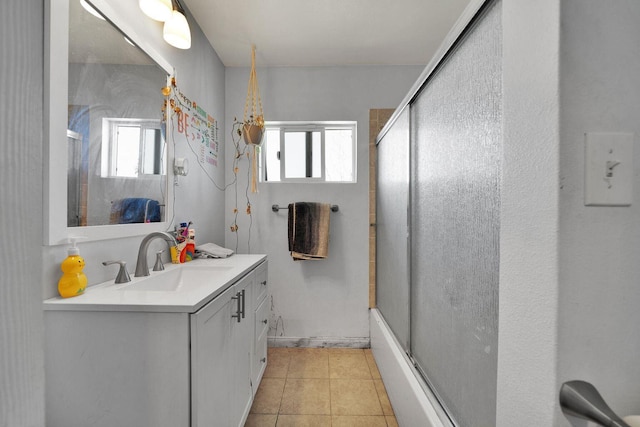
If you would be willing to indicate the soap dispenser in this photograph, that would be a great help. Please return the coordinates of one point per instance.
(73, 281)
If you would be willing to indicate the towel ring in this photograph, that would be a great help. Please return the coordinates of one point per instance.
(276, 208)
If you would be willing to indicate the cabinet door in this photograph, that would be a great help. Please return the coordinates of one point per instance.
(242, 335)
(212, 352)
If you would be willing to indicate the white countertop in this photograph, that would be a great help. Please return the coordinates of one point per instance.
(109, 296)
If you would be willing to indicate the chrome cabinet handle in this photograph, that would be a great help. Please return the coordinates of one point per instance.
(237, 315)
(243, 299)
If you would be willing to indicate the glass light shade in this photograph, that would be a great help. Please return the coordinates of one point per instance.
(160, 10)
(91, 10)
(176, 31)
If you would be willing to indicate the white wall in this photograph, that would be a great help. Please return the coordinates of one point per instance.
(28, 268)
(21, 329)
(327, 298)
(569, 273)
(526, 393)
(599, 247)
(200, 77)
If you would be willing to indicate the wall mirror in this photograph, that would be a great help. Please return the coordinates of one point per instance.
(108, 156)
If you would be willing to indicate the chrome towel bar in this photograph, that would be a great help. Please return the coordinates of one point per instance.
(276, 208)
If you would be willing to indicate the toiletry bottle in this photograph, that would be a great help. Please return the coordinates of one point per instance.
(73, 281)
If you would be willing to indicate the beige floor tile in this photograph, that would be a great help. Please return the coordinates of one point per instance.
(269, 396)
(278, 350)
(344, 350)
(354, 397)
(391, 421)
(304, 421)
(358, 421)
(323, 387)
(308, 350)
(349, 365)
(373, 367)
(261, 420)
(306, 397)
(384, 398)
(308, 363)
(277, 364)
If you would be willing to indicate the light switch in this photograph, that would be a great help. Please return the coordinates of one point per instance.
(608, 177)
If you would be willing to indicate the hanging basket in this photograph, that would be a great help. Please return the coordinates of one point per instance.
(253, 125)
(252, 133)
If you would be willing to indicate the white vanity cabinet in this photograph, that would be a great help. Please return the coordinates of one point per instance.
(146, 365)
(220, 358)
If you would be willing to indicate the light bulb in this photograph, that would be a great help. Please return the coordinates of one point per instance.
(176, 31)
(160, 10)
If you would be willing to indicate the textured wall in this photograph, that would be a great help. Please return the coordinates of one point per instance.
(21, 147)
(527, 393)
(568, 283)
(28, 269)
(599, 292)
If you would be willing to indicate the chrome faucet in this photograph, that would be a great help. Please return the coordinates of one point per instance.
(142, 268)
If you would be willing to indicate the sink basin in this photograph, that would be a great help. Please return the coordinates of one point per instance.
(178, 279)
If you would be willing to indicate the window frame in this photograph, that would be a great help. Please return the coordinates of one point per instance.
(110, 126)
(309, 126)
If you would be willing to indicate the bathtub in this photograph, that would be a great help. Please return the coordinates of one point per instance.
(414, 405)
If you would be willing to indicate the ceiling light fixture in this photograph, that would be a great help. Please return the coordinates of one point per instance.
(91, 9)
(176, 29)
(159, 10)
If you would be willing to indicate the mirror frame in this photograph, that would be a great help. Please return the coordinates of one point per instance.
(56, 80)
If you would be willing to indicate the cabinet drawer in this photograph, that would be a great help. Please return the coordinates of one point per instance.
(260, 290)
(262, 319)
(260, 357)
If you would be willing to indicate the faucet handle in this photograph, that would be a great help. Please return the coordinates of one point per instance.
(123, 274)
(158, 266)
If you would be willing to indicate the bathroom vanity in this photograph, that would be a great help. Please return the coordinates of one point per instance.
(183, 347)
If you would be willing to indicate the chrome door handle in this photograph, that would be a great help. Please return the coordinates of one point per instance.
(581, 399)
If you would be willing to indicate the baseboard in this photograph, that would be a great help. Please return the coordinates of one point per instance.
(319, 342)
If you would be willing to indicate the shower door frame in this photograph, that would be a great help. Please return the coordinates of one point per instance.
(467, 22)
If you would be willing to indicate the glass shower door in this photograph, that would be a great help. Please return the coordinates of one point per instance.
(392, 228)
(455, 205)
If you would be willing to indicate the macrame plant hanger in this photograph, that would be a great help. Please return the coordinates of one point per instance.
(253, 126)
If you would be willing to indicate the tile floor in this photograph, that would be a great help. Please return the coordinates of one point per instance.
(321, 387)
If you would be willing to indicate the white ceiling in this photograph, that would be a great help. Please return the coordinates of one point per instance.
(325, 32)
